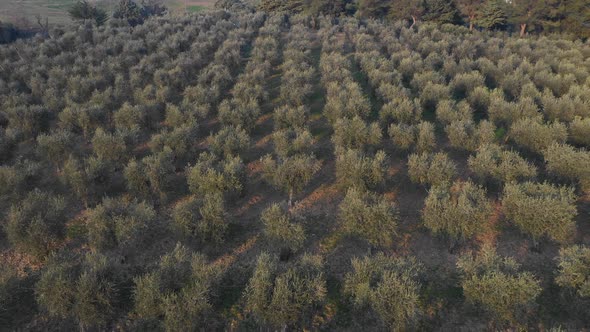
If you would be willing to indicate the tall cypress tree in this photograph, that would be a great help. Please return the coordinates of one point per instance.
(441, 11)
(493, 15)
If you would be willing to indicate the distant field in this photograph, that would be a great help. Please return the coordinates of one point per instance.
(23, 11)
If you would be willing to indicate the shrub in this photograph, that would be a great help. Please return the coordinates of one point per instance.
(431, 169)
(532, 134)
(202, 218)
(389, 286)
(280, 230)
(579, 130)
(466, 135)
(37, 223)
(355, 133)
(541, 209)
(345, 100)
(358, 170)
(491, 161)
(506, 113)
(151, 175)
(461, 211)
(369, 216)
(128, 117)
(494, 283)
(565, 161)
(574, 269)
(119, 224)
(284, 298)
(291, 174)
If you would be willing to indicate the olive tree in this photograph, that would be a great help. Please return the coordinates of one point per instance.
(177, 293)
(229, 141)
(574, 269)
(495, 284)
(494, 162)
(579, 130)
(202, 218)
(37, 223)
(460, 211)
(280, 230)
(211, 175)
(532, 134)
(291, 174)
(570, 163)
(86, 289)
(355, 133)
(118, 223)
(279, 297)
(359, 170)
(368, 216)
(431, 169)
(541, 209)
(389, 286)
(289, 142)
(466, 135)
(421, 136)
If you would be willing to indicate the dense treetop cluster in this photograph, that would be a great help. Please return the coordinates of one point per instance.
(239, 170)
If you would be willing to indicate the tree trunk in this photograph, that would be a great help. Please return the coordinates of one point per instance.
(523, 29)
(471, 18)
(413, 21)
(290, 198)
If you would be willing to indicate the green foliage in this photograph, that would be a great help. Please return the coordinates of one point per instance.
(291, 174)
(466, 135)
(421, 136)
(574, 269)
(290, 117)
(151, 176)
(494, 284)
(570, 163)
(579, 130)
(37, 223)
(541, 209)
(493, 15)
(369, 216)
(492, 161)
(431, 169)
(83, 288)
(289, 142)
(109, 147)
(441, 11)
(355, 133)
(532, 134)
(119, 223)
(56, 147)
(84, 11)
(281, 297)
(280, 230)
(230, 141)
(212, 176)
(387, 285)
(178, 290)
(202, 218)
(361, 171)
(460, 211)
